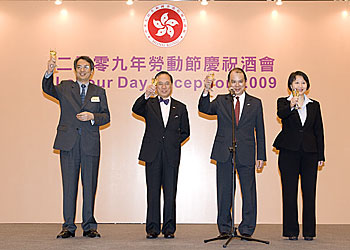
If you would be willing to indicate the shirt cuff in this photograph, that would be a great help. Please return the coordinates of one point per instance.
(47, 75)
(92, 122)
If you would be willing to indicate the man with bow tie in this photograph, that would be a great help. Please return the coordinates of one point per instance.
(167, 127)
(248, 122)
(84, 109)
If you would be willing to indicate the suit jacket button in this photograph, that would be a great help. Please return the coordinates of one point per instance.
(301, 131)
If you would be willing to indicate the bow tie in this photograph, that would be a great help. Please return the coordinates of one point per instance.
(166, 101)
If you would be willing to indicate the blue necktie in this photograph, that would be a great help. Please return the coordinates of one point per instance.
(166, 101)
(82, 95)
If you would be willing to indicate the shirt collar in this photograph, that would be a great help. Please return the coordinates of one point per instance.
(241, 97)
(306, 99)
(86, 84)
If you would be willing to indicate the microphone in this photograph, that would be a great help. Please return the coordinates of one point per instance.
(232, 91)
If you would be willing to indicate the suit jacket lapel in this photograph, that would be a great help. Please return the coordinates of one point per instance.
(246, 104)
(295, 113)
(172, 111)
(309, 113)
(76, 96)
(228, 105)
(156, 108)
(91, 90)
(297, 116)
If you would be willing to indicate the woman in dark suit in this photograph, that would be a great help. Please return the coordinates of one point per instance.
(301, 146)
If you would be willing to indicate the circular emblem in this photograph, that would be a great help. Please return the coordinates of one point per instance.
(165, 25)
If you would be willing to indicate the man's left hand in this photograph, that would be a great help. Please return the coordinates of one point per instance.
(259, 164)
(85, 116)
(320, 163)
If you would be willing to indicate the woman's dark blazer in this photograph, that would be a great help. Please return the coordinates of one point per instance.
(294, 136)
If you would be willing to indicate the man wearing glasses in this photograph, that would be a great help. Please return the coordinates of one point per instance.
(84, 109)
(167, 127)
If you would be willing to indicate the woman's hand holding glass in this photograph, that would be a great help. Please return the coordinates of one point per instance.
(295, 99)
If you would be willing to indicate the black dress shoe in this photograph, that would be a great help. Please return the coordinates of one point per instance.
(65, 234)
(169, 236)
(293, 238)
(308, 238)
(224, 236)
(92, 233)
(151, 235)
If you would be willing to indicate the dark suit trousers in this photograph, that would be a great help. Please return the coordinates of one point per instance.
(224, 196)
(71, 161)
(160, 174)
(291, 165)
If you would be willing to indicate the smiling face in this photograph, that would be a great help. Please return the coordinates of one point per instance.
(83, 71)
(237, 82)
(299, 84)
(164, 85)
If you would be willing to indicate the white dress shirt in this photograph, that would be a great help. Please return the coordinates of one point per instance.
(302, 111)
(165, 110)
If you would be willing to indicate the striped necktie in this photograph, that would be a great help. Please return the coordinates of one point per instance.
(83, 94)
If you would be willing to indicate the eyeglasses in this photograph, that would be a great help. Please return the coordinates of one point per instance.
(87, 67)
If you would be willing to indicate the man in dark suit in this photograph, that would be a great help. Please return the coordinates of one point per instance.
(83, 109)
(167, 127)
(249, 138)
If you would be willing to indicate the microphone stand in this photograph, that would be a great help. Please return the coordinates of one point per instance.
(232, 149)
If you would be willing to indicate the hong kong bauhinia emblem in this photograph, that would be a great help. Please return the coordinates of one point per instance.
(165, 25)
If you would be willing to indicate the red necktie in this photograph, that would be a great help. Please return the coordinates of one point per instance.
(237, 109)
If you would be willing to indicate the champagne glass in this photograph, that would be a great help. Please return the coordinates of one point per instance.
(53, 55)
(295, 93)
(211, 78)
(154, 83)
